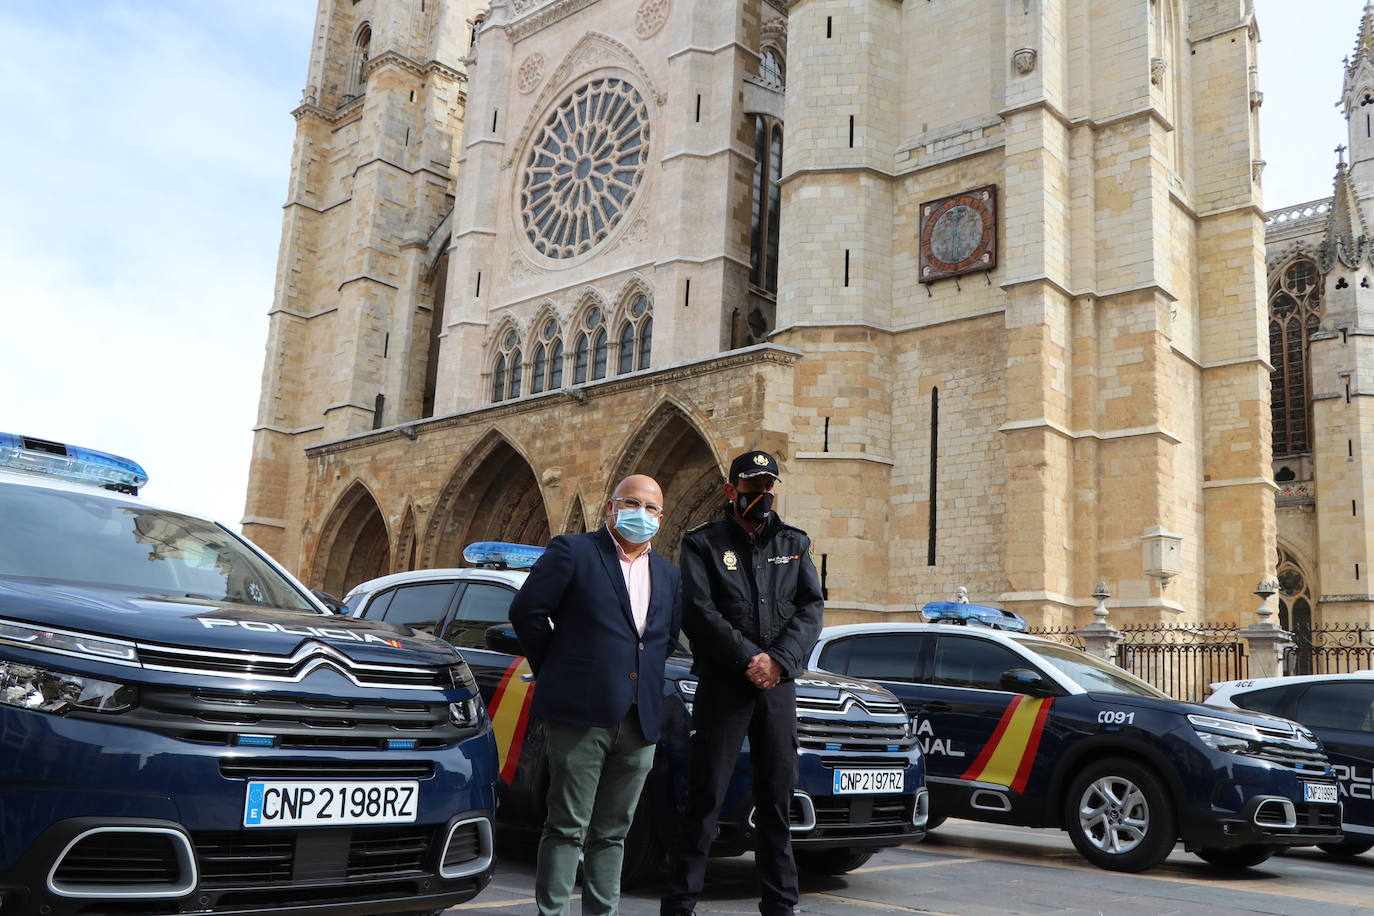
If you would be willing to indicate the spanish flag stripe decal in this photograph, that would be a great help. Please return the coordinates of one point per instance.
(1010, 752)
(1028, 758)
(508, 711)
(981, 760)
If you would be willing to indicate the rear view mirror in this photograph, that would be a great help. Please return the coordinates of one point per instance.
(1024, 680)
(501, 638)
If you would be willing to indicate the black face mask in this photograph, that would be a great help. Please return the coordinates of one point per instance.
(754, 507)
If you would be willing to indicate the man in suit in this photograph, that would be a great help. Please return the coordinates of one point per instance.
(597, 618)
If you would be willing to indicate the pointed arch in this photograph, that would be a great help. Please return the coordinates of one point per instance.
(670, 447)
(493, 495)
(362, 53)
(577, 518)
(407, 544)
(354, 545)
(588, 342)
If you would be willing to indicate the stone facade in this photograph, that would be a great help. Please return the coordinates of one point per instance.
(1321, 296)
(1093, 407)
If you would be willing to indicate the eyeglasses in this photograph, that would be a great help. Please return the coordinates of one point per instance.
(629, 502)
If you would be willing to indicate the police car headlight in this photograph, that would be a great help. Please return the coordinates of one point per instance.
(687, 690)
(461, 676)
(38, 689)
(66, 642)
(465, 713)
(1226, 734)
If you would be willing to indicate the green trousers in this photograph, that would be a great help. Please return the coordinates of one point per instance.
(596, 775)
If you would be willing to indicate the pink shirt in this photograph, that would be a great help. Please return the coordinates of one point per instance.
(636, 574)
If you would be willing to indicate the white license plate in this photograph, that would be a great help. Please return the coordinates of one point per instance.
(280, 803)
(869, 782)
(1316, 792)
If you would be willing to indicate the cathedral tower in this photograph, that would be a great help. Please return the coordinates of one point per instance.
(352, 335)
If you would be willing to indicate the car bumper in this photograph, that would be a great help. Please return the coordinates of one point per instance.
(174, 818)
(1260, 803)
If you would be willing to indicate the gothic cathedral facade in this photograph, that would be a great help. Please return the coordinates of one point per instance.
(987, 276)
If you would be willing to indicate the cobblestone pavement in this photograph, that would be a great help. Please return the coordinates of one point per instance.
(967, 868)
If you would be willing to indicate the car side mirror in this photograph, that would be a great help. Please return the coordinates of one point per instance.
(1024, 680)
(334, 604)
(501, 638)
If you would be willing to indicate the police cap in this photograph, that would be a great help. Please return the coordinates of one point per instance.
(753, 464)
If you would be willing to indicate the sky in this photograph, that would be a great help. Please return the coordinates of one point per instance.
(145, 158)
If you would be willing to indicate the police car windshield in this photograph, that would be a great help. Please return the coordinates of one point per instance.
(88, 539)
(1092, 674)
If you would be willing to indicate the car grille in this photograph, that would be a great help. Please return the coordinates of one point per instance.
(1303, 759)
(256, 767)
(870, 735)
(464, 847)
(292, 668)
(294, 722)
(839, 817)
(241, 858)
(846, 701)
(1317, 819)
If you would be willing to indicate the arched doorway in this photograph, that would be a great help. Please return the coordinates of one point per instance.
(355, 545)
(493, 497)
(670, 449)
(406, 543)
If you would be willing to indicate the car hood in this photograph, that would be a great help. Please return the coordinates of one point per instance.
(134, 615)
(1184, 708)
(810, 684)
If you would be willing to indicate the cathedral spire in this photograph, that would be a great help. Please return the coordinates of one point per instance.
(1364, 41)
(1345, 227)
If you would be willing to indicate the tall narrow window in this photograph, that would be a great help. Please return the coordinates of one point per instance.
(636, 336)
(507, 369)
(766, 207)
(362, 50)
(546, 372)
(770, 67)
(1295, 310)
(589, 355)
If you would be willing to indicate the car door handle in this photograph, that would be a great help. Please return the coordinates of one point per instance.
(934, 706)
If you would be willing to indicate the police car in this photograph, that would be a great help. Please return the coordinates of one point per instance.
(1021, 730)
(1339, 709)
(861, 779)
(184, 729)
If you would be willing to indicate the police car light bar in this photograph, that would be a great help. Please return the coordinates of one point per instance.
(956, 612)
(498, 555)
(40, 456)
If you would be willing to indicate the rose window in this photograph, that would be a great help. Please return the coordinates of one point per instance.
(584, 167)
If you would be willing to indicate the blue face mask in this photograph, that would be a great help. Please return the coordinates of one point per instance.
(636, 525)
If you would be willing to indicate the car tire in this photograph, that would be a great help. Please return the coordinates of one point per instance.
(831, 861)
(1346, 848)
(1118, 816)
(643, 848)
(1236, 856)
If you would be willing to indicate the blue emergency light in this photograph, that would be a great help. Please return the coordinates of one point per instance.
(41, 456)
(957, 612)
(499, 555)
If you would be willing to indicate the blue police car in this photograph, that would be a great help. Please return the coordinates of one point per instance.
(861, 782)
(184, 729)
(1339, 709)
(1025, 731)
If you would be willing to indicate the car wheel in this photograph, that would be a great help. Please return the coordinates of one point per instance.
(831, 861)
(1118, 817)
(643, 849)
(1236, 856)
(1346, 847)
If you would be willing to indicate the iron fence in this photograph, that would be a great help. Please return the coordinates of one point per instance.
(1067, 635)
(1183, 661)
(1332, 648)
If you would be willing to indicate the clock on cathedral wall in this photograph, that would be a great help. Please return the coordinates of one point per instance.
(959, 234)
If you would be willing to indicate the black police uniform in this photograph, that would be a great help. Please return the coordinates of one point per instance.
(744, 595)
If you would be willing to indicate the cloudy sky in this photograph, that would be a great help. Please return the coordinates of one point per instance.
(145, 158)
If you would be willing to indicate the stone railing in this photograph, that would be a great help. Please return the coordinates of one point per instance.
(1309, 212)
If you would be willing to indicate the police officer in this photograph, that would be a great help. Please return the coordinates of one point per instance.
(751, 605)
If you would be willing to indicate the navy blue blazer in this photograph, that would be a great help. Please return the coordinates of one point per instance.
(573, 619)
